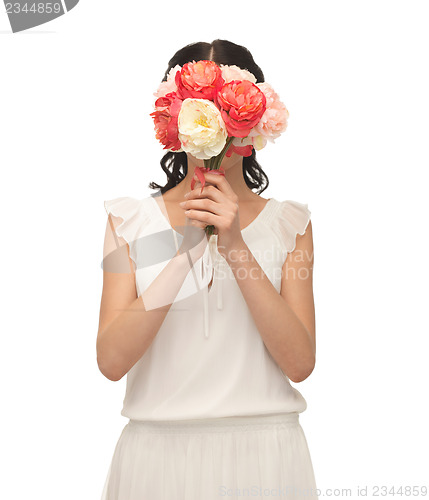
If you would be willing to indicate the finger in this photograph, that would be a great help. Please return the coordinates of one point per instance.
(218, 180)
(204, 217)
(209, 192)
(204, 205)
(196, 206)
(210, 178)
(197, 191)
(198, 185)
(197, 223)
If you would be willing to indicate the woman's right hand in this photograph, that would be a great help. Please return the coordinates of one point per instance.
(194, 239)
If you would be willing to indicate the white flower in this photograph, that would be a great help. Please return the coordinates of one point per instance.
(233, 72)
(202, 130)
(257, 141)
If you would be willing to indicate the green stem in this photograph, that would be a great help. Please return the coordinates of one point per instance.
(218, 159)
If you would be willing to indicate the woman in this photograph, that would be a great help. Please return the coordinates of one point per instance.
(209, 331)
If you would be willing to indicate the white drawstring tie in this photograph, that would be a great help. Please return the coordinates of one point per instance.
(213, 268)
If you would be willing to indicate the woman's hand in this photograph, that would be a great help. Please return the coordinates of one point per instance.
(216, 205)
(194, 240)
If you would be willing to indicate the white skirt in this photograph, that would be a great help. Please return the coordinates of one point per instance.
(210, 458)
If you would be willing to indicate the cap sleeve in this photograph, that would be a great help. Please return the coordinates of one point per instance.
(128, 220)
(293, 218)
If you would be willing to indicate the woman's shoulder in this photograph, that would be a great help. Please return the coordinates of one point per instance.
(292, 206)
(125, 205)
(290, 219)
(131, 215)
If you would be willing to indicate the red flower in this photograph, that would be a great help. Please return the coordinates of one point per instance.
(165, 118)
(242, 105)
(199, 80)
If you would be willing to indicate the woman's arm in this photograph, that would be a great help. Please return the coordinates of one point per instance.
(286, 321)
(128, 323)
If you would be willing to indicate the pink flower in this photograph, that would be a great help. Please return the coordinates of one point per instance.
(165, 118)
(274, 120)
(169, 85)
(199, 80)
(242, 104)
(233, 72)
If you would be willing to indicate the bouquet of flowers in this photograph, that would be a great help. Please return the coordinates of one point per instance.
(211, 110)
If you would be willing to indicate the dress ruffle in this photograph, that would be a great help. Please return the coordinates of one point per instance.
(291, 219)
(134, 219)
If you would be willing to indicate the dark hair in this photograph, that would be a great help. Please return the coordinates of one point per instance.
(175, 164)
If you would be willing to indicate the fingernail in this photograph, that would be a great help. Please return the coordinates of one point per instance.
(187, 211)
(186, 194)
(182, 203)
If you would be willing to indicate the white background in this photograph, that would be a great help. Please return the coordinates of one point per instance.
(75, 98)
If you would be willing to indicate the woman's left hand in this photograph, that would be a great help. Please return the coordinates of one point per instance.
(217, 205)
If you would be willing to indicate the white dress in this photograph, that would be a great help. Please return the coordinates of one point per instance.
(210, 412)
